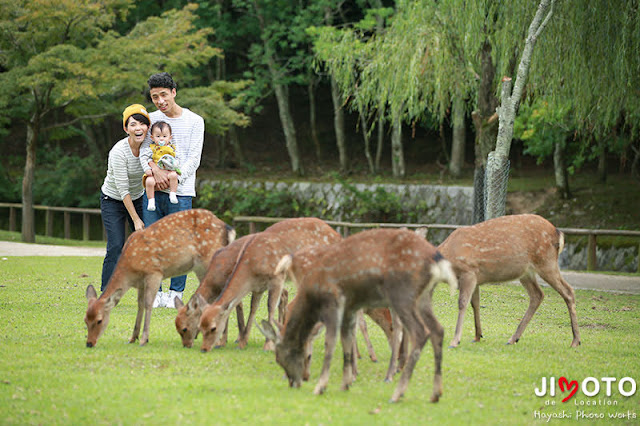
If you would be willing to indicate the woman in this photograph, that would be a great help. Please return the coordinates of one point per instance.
(121, 193)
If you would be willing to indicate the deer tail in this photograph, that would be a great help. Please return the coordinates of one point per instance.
(284, 264)
(443, 272)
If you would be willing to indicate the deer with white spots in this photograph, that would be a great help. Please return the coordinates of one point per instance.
(254, 272)
(503, 249)
(377, 268)
(172, 246)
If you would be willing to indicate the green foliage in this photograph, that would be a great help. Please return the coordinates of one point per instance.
(542, 127)
(50, 377)
(67, 179)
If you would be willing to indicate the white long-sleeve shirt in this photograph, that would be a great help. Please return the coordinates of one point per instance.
(187, 134)
(124, 173)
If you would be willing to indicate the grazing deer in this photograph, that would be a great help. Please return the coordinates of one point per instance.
(210, 287)
(254, 272)
(503, 249)
(172, 246)
(376, 268)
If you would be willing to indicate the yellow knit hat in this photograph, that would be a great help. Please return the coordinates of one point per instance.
(134, 109)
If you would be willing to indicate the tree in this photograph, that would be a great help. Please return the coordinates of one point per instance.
(64, 66)
(510, 101)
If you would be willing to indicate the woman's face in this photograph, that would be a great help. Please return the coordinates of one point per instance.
(136, 130)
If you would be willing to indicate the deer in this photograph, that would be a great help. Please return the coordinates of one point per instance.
(254, 272)
(219, 269)
(172, 246)
(391, 268)
(503, 249)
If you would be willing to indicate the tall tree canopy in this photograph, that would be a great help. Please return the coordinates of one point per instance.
(63, 64)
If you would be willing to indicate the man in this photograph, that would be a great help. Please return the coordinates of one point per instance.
(188, 137)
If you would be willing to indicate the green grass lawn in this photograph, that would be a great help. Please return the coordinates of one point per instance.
(48, 376)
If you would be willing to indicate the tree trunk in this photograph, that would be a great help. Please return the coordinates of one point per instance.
(380, 141)
(458, 141)
(397, 155)
(282, 96)
(364, 125)
(602, 160)
(560, 169)
(235, 145)
(313, 121)
(507, 113)
(338, 124)
(486, 127)
(28, 216)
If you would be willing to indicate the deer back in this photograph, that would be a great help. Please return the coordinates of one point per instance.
(503, 248)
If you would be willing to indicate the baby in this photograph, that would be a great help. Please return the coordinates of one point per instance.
(164, 155)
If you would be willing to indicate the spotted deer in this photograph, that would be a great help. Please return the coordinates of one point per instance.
(210, 287)
(377, 268)
(254, 272)
(503, 249)
(172, 246)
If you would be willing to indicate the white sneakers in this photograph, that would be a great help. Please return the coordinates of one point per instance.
(166, 300)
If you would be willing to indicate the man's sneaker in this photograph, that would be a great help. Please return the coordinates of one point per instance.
(160, 300)
(172, 297)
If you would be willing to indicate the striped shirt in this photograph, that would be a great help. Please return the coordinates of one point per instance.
(187, 134)
(124, 173)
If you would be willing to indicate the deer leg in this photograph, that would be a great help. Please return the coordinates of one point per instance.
(282, 305)
(240, 318)
(467, 283)
(331, 322)
(151, 286)
(418, 334)
(255, 303)
(308, 350)
(347, 334)
(136, 327)
(437, 338)
(555, 280)
(396, 336)
(223, 339)
(273, 300)
(536, 295)
(475, 304)
(365, 334)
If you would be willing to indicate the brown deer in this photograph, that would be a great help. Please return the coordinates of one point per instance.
(174, 245)
(220, 267)
(503, 249)
(382, 267)
(254, 272)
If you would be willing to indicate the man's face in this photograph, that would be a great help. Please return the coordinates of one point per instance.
(164, 99)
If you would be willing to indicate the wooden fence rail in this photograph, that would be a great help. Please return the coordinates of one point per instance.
(66, 215)
(344, 227)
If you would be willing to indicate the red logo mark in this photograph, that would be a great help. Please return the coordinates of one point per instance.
(570, 385)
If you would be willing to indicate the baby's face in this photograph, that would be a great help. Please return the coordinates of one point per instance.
(161, 137)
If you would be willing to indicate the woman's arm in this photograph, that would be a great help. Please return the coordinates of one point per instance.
(138, 224)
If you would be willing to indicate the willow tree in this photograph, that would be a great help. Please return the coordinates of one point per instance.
(63, 66)
(432, 55)
(589, 60)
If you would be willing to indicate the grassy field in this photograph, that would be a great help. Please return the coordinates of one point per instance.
(48, 376)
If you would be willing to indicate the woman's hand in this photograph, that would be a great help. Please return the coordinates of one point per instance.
(138, 224)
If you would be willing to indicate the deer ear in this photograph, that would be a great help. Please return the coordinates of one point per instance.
(91, 292)
(178, 302)
(269, 331)
(198, 302)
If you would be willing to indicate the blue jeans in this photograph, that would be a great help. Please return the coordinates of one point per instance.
(164, 208)
(114, 215)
